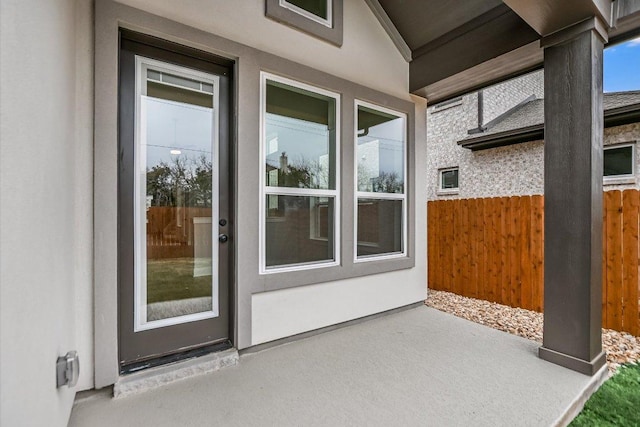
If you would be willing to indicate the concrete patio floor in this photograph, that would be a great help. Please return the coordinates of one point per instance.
(414, 368)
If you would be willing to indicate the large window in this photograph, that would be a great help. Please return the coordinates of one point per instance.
(380, 182)
(300, 175)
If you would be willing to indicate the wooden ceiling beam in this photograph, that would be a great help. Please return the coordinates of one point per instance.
(549, 16)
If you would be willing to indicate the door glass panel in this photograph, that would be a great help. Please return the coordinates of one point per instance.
(177, 259)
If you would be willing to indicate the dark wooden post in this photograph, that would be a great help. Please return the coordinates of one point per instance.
(573, 197)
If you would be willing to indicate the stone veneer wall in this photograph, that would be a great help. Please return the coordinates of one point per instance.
(504, 171)
(503, 96)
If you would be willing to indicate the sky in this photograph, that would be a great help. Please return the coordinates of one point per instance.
(622, 66)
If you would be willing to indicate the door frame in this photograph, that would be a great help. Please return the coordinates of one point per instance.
(132, 47)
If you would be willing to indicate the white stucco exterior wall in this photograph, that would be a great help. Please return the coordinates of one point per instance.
(288, 312)
(44, 206)
(367, 56)
(83, 192)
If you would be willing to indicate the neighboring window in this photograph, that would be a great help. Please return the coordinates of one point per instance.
(448, 180)
(300, 194)
(619, 161)
(380, 182)
(317, 10)
(320, 18)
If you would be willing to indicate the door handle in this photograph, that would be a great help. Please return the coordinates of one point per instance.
(222, 238)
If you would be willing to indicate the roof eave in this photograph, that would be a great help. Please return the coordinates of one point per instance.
(500, 139)
(613, 117)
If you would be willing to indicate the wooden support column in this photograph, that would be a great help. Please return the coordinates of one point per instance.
(573, 197)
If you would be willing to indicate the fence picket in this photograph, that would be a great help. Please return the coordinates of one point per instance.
(537, 252)
(514, 252)
(505, 213)
(613, 205)
(630, 261)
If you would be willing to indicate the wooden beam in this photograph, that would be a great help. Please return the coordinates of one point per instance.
(549, 16)
(494, 33)
(573, 165)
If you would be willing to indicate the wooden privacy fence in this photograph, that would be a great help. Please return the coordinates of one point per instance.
(493, 249)
(171, 232)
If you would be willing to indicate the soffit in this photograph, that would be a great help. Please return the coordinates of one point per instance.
(421, 22)
(461, 46)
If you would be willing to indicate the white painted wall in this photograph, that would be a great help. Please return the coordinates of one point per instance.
(288, 312)
(45, 175)
(367, 56)
(83, 192)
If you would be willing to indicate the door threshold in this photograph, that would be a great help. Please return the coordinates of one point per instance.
(154, 377)
(134, 367)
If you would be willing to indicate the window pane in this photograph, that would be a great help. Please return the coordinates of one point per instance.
(299, 229)
(379, 227)
(618, 161)
(177, 193)
(180, 81)
(316, 7)
(154, 75)
(300, 138)
(380, 153)
(186, 96)
(449, 179)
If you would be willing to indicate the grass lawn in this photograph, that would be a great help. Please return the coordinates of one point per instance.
(172, 279)
(616, 403)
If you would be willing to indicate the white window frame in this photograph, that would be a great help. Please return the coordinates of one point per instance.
(379, 196)
(140, 202)
(326, 22)
(445, 191)
(291, 191)
(621, 179)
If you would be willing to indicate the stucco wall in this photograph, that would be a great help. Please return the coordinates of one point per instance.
(45, 204)
(367, 55)
(83, 191)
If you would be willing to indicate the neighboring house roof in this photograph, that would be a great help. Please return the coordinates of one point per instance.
(525, 122)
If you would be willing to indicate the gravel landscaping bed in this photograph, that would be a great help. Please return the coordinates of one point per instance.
(619, 346)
